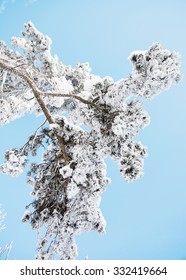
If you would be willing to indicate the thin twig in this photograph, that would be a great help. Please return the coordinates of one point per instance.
(2, 84)
(35, 134)
(20, 65)
(85, 101)
(29, 99)
(8, 248)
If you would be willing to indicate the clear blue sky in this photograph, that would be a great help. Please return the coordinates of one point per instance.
(145, 219)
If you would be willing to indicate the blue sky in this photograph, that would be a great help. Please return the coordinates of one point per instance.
(145, 219)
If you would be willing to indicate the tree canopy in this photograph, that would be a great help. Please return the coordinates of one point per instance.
(87, 118)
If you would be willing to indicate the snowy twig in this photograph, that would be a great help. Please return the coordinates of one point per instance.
(85, 101)
(35, 134)
(2, 84)
(8, 249)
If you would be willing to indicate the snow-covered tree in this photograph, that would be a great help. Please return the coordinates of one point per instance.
(87, 118)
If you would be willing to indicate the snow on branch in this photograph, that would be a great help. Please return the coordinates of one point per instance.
(68, 182)
(5, 250)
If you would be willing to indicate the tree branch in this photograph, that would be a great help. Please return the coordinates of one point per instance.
(2, 84)
(32, 85)
(85, 101)
(35, 134)
(37, 93)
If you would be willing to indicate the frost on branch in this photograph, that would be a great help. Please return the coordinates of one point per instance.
(5, 250)
(2, 216)
(15, 162)
(68, 182)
